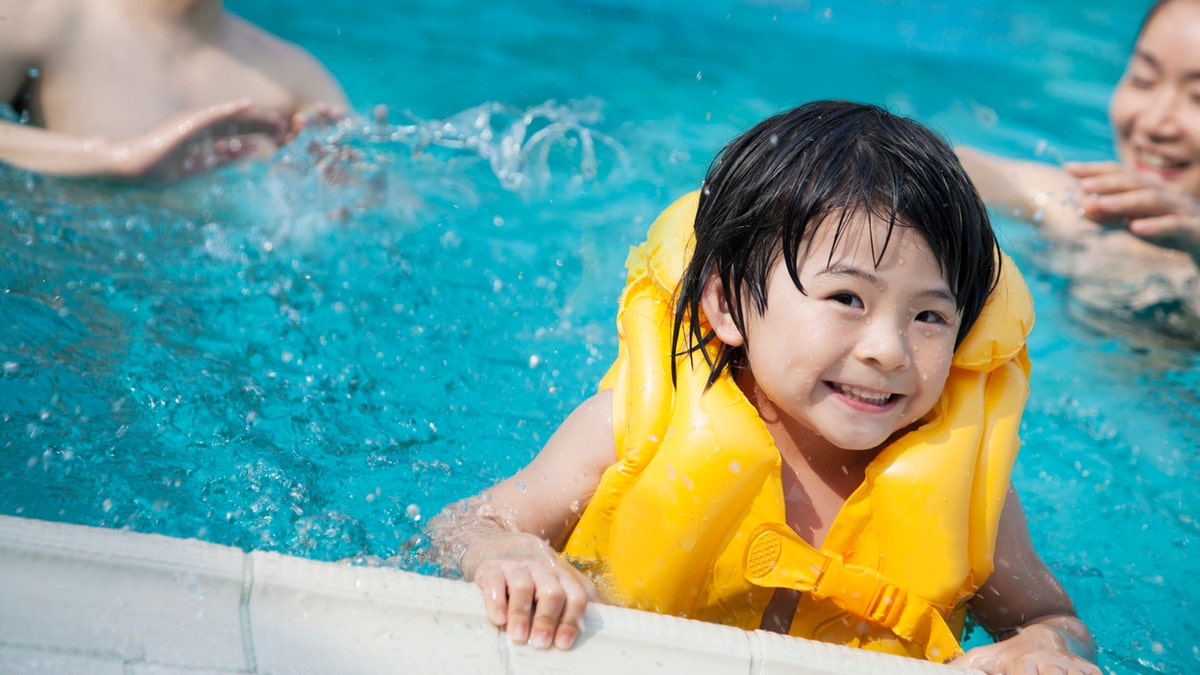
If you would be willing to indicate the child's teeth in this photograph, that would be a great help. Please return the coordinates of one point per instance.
(864, 395)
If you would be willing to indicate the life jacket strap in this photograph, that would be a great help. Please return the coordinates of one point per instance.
(777, 557)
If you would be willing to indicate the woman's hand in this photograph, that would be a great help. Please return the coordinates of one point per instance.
(1040, 648)
(531, 591)
(316, 114)
(1151, 208)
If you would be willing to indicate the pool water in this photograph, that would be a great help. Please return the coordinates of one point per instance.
(316, 354)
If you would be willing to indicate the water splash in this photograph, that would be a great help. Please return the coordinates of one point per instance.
(520, 145)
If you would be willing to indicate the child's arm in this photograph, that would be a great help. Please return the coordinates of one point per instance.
(506, 539)
(1024, 606)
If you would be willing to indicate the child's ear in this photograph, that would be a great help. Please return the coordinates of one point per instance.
(715, 304)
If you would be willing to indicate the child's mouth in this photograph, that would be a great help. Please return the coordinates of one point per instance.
(861, 395)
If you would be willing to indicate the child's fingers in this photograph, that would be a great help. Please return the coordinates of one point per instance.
(551, 599)
(495, 595)
(575, 603)
(521, 591)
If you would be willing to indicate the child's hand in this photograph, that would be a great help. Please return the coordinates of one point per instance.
(1151, 208)
(532, 592)
(1038, 648)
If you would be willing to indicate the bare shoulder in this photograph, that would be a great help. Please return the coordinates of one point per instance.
(286, 62)
(31, 33)
(27, 28)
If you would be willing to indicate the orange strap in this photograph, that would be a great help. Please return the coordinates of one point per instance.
(777, 557)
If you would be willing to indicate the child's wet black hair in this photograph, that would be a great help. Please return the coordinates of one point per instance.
(829, 159)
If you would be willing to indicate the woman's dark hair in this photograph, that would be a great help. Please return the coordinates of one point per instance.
(768, 189)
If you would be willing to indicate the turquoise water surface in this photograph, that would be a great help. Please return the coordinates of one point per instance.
(314, 355)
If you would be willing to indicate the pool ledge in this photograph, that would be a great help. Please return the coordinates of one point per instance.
(77, 599)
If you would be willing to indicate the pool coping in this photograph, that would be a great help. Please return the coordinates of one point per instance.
(85, 599)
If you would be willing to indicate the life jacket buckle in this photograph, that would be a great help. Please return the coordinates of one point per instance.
(888, 604)
(777, 557)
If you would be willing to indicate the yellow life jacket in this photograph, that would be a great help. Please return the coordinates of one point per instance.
(690, 521)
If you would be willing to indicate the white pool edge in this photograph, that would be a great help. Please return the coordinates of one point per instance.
(76, 599)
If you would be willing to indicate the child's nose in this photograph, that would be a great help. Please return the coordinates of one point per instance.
(885, 345)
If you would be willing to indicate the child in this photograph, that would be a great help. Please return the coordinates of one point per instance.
(810, 424)
(153, 87)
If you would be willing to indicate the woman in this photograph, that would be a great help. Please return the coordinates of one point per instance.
(1133, 225)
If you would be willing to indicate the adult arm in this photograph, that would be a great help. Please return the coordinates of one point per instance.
(190, 142)
(318, 96)
(1082, 196)
(506, 539)
(1042, 194)
(1025, 607)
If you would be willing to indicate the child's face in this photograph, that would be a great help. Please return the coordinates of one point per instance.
(1155, 108)
(866, 352)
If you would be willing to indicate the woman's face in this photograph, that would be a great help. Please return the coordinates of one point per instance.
(1155, 110)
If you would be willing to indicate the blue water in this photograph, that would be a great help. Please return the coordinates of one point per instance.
(314, 355)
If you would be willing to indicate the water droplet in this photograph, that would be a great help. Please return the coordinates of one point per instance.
(986, 117)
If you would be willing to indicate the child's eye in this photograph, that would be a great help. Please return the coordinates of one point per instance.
(847, 298)
(929, 316)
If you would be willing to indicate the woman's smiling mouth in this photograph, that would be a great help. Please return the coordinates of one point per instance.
(1152, 161)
